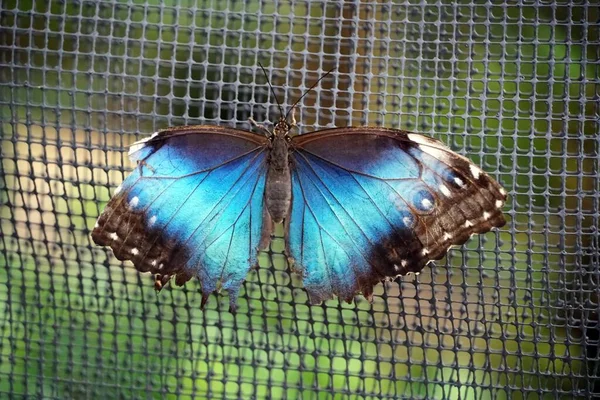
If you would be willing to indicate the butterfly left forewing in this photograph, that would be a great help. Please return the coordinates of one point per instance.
(371, 204)
(192, 207)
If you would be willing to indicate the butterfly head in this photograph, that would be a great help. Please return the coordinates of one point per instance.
(282, 129)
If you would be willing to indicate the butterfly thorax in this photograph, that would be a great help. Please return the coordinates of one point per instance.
(278, 191)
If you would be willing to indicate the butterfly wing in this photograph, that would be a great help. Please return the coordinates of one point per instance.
(371, 204)
(192, 207)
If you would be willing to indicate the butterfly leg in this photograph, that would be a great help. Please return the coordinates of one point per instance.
(294, 122)
(160, 281)
(262, 127)
(286, 239)
(266, 232)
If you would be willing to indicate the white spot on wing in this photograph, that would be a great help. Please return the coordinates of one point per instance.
(502, 191)
(486, 215)
(429, 146)
(499, 203)
(468, 224)
(396, 268)
(425, 252)
(135, 251)
(445, 191)
(152, 220)
(404, 263)
(433, 151)
(114, 236)
(134, 202)
(139, 145)
(426, 203)
(96, 225)
(459, 182)
(407, 221)
(418, 138)
(447, 236)
(153, 263)
(161, 266)
(475, 171)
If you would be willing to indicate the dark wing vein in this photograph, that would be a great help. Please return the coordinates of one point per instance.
(327, 267)
(375, 205)
(449, 166)
(210, 171)
(421, 166)
(349, 169)
(147, 207)
(357, 273)
(355, 180)
(174, 178)
(337, 200)
(234, 224)
(217, 204)
(321, 229)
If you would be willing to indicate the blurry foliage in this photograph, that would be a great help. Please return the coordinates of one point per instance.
(514, 88)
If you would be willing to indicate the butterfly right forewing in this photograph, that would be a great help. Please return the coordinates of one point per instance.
(371, 204)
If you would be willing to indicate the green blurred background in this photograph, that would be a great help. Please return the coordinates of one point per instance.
(512, 314)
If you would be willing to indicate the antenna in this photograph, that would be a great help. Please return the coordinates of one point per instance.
(272, 90)
(307, 91)
(301, 97)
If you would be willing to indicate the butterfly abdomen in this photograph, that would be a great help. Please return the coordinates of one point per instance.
(278, 190)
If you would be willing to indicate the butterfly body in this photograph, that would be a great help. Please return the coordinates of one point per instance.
(359, 205)
(278, 193)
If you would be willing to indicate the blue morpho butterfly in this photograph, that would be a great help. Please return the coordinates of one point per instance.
(359, 205)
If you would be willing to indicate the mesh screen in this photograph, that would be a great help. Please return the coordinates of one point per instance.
(511, 314)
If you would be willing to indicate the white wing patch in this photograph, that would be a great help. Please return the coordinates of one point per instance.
(445, 191)
(139, 145)
(429, 146)
(433, 151)
(475, 171)
(134, 202)
(426, 203)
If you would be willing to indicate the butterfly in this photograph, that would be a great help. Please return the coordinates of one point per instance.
(359, 205)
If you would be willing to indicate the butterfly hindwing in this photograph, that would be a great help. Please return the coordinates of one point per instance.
(370, 204)
(192, 207)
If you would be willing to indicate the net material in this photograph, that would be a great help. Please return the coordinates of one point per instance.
(513, 313)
